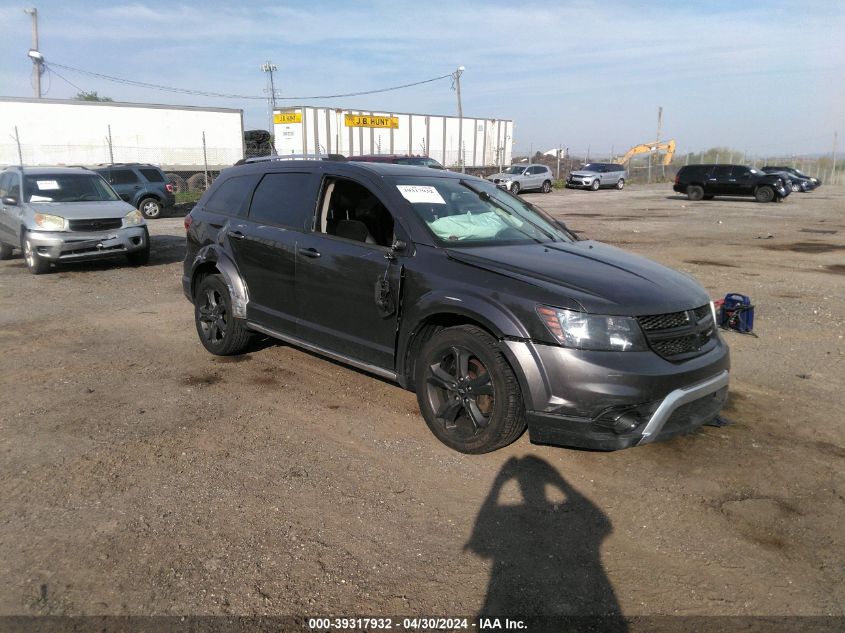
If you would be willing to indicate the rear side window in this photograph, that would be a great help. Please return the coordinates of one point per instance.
(722, 171)
(153, 175)
(231, 195)
(284, 199)
(123, 177)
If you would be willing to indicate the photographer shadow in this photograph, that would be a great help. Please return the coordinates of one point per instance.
(545, 550)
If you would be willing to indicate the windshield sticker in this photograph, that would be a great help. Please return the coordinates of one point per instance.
(47, 185)
(35, 198)
(421, 193)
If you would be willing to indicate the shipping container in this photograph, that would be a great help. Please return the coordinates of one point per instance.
(71, 132)
(317, 130)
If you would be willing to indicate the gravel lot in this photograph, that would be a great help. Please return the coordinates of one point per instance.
(141, 475)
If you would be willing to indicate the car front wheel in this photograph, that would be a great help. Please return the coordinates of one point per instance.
(219, 331)
(764, 194)
(595, 185)
(620, 184)
(795, 188)
(515, 188)
(467, 391)
(150, 207)
(36, 264)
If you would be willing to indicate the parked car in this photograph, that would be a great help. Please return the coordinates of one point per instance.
(795, 174)
(518, 178)
(493, 312)
(793, 182)
(142, 185)
(67, 214)
(706, 181)
(594, 176)
(397, 159)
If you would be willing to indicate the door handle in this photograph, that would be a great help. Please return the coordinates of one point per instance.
(309, 252)
(237, 235)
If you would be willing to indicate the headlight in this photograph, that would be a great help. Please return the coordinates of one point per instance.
(580, 330)
(49, 222)
(133, 218)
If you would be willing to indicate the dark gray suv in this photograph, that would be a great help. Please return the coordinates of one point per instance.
(143, 186)
(493, 312)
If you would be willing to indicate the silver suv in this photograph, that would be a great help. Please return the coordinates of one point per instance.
(56, 214)
(518, 178)
(597, 175)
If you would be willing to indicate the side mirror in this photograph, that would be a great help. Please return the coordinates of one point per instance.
(398, 246)
(10, 200)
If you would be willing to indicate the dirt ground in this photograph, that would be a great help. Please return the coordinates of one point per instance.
(141, 475)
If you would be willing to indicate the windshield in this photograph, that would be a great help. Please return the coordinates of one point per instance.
(476, 212)
(514, 169)
(67, 188)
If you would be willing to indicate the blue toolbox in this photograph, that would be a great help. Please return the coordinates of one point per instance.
(736, 312)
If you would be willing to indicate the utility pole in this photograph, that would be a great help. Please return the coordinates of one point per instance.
(34, 54)
(270, 67)
(657, 142)
(456, 76)
(833, 169)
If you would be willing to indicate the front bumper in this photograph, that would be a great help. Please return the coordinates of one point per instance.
(64, 246)
(501, 184)
(579, 182)
(614, 400)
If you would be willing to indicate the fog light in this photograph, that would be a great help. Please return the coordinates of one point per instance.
(626, 422)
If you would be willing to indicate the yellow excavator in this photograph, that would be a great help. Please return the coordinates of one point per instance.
(668, 147)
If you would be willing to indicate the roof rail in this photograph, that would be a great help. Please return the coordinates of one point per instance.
(261, 159)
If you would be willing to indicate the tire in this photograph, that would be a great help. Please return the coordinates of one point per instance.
(547, 186)
(795, 188)
(695, 192)
(36, 264)
(150, 207)
(484, 410)
(5, 251)
(142, 257)
(764, 194)
(515, 188)
(594, 186)
(620, 184)
(220, 333)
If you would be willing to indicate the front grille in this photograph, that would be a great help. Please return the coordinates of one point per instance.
(105, 224)
(679, 335)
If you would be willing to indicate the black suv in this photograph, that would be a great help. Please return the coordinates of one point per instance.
(705, 181)
(492, 311)
(143, 186)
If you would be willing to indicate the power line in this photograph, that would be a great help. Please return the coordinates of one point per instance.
(202, 93)
(52, 71)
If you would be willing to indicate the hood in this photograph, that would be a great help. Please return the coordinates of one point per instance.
(601, 278)
(83, 210)
(503, 176)
(583, 172)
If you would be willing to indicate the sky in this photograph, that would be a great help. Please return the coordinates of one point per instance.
(765, 78)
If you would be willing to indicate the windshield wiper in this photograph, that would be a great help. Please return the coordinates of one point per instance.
(486, 197)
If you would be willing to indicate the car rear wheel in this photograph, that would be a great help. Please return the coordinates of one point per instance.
(515, 188)
(764, 194)
(220, 332)
(547, 186)
(36, 264)
(595, 185)
(150, 207)
(795, 188)
(695, 192)
(467, 391)
(5, 251)
(620, 184)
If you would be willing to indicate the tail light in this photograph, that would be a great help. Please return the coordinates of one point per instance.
(169, 187)
(188, 221)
